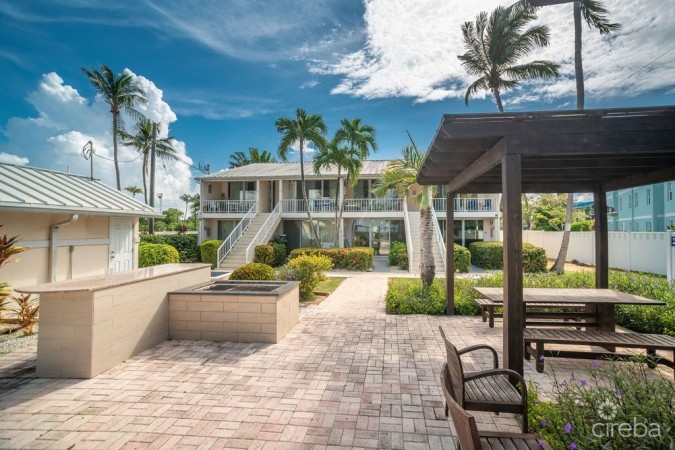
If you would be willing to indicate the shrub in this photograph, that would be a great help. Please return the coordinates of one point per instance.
(582, 225)
(342, 258)
(186, 244)
(156, 254)
(253, 271)
(462, 259)
(279, 253)
(358, 241)
(406, 296)
(398, 255)
(264, 254)
(308, 270)
(26, 311)
(209, 252)
(489, 255)
(584, 410)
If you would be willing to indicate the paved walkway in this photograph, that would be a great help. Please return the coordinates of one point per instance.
(348, 375)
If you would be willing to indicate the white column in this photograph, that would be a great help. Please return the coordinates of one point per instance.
(281, 195)
(670, 270)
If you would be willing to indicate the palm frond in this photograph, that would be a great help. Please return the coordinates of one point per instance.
(595, 15)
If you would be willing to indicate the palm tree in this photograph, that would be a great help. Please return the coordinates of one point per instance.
(342, 158)
(595, 15)
(238, 159)
(496, 44)
(133, 190)
(121, 92)
(401, 176)
(142, 141)
(187, 198)
(301, 130)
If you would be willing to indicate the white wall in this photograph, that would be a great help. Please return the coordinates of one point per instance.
(641, 252)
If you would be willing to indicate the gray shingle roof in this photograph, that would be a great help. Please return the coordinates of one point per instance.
(275, 171)
(25, 188)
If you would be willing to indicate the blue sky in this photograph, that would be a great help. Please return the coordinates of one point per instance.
(221, 72)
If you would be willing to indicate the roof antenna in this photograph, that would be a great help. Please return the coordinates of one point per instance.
(411, 140)
(88, 153)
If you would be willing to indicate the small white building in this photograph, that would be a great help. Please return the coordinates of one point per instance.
(72, 226)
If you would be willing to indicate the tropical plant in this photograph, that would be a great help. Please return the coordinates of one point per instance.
(8, 249)
(238, 159)
(121, 92)
(141, 140)
(497, 43)
(187, 198)
(595, 15)
(27, 311)
(302, 130)
(133, 190)
(401, 176)
(309, 270)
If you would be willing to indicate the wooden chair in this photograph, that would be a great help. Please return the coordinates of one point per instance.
(486, 390)
(470, 438)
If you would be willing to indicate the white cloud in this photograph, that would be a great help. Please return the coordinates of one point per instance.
(65, 122)
(412, 46)
(309, 84)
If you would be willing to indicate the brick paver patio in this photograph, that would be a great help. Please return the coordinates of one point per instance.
(347, 376)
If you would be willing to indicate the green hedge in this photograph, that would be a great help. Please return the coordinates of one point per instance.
(209, 251)
(279, 253)
(406, 296)
(489, 255)
(582, 225)
(156, 254)
(462, 259)
(264, 254)
(355, 258)
(398, 255)
(186, 244)
(254, 271)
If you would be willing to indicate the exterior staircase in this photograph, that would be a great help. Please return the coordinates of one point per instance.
(414, 221)
(237, 256)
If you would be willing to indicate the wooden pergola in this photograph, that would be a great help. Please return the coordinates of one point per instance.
(538, 152)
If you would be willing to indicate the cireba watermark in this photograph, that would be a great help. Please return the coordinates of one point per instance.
(607, 411)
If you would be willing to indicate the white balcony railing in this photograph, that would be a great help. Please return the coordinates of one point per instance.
(315, 205)
(480, 204)
(227, 206)
(373, 204)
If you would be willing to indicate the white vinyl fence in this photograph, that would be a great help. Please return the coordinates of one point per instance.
(632, 251)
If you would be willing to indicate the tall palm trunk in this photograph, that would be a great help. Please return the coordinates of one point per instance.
(559, 265)
(145, 174)
(115, 115)
(304, 195)
(342, 209)
(498, 98)
(427, 263)
(337, 209)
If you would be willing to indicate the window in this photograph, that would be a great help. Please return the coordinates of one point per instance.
(210, 188)
(635, 200)
(648, 226)
(649, 196)
(670, 190)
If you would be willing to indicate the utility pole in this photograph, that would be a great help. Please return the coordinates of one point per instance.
(159, 196)
(151, 221)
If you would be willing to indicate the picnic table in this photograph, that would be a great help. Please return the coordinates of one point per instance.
(600, 303)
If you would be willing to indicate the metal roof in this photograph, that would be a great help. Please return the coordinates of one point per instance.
(31, 189)
(275, 171)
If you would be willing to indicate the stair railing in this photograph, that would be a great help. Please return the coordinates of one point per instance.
(264, 231)
(227, 245)
(439, 235)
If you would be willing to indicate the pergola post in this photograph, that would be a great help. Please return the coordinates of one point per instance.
(601, 238)
(513, 263)
(450, 253)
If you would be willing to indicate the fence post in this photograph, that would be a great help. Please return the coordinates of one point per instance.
(670, 266)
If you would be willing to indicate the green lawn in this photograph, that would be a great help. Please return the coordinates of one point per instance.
(328, 287)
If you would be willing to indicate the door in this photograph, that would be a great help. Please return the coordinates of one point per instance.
(121, 244)
(380, 240)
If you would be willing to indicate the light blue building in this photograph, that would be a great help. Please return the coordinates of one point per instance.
(644, 208)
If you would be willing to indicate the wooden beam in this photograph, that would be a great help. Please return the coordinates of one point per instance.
(618, 142)
(487, 161)
(514, 311)
(601, 238)
(656, 176)
(450, 253)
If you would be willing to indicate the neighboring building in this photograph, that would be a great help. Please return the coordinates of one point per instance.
(268, 197)
(645, 208)
(72, 226)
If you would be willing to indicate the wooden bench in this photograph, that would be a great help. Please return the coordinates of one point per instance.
(572, 312)
(485, 390)
(468, 435)
(649, 342)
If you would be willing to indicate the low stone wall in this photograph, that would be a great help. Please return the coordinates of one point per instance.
(223, 317)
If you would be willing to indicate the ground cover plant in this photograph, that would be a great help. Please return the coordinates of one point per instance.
(186, 244)
(407, 296)
(264, 254)
(354, 258)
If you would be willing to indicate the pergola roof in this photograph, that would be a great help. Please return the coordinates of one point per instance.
(561, 151)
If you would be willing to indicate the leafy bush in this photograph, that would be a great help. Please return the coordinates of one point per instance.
(279, 253)
(582, 225)
(186, 244)
(253, 271)
(489, 255)
(609, 410)
(462, 259)
(308, 270)
(27, 310)
(358, 241)
(264, 254)
(406, 296)
(342, 258)
(398, 255)
(156, 254)
(209, 251)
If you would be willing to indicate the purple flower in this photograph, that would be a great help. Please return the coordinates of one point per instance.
(573, 446)
(541, 358)
(573, 378)
(618, 393)
(582, 382)
(568, 427)
(540, 444)
(563, 384)
(596, 365)
(543, 422)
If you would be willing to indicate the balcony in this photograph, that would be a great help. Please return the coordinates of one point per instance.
(227, 206)
(479, 204)
(351, 205)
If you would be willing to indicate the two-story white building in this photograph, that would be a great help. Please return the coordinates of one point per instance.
(248, 205)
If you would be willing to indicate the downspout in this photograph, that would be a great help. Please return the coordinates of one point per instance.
(53, 244)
